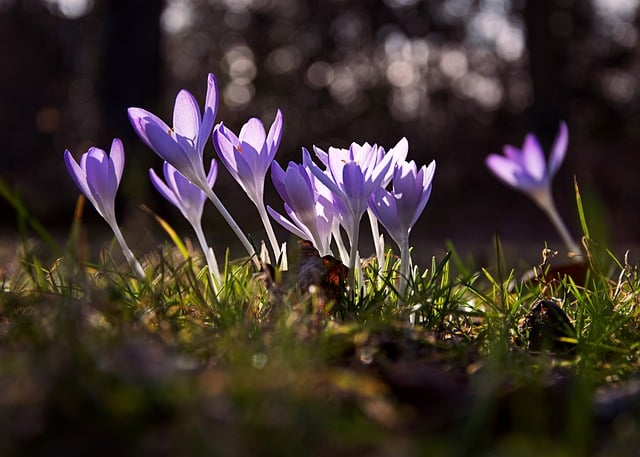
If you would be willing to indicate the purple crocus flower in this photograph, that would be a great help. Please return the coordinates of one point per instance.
(248, 156)
(183, 144)
(527, 171)
(98, 178)
(307, 202)
(352, 177)
(184, 195)
(398, 153)
(399, 209)
(189, 199)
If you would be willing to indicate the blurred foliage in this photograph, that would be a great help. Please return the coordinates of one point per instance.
(458, 78)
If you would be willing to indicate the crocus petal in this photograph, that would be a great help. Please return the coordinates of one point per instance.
(213, 173)
(301, 194)
(512, 153)
(210, 111)
(274, 136)
(378, 173)
(116, 155)
(280, 219)
(226, 144)
(559, 149)
(140, 119)
(399, 153)
(251, 182)
(186, 115)
(277, 178)
(253, 134)
(320, 175)
(505, 169)
(77, 174)
(163, 142)
(424, 181)
(101, 179)
(533, 158)
(322, 156)
(353, 185)
(408, 191)
(162, 188)
(383, 205)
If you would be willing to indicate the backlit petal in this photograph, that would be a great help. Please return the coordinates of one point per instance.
(186, 115)
(116, 155)
(210, 111)
(533, 159)
(559, 149)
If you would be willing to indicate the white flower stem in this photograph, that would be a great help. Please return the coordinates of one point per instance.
(128, 254)
(405, 263)
(210, 257)
(337, 236)
(275, 246)
(375, 232)
(233, 224)
(545, 201)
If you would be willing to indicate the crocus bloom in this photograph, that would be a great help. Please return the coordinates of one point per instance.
(398, 153)
(189, 199)
(399, 209)
(183, 144)
(98, 177)
(351, 177)
(307, 202)
(527, 171)
(248, 157)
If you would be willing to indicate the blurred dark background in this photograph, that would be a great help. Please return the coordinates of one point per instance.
(458, 78)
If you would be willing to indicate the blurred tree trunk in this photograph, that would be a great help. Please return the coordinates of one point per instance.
(546, 57)
(131, 77)
(132, 62)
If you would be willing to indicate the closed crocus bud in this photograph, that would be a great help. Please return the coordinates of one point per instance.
(399, 209)
(248, 157)
(98, 178)
(189, 199)
(307, 203)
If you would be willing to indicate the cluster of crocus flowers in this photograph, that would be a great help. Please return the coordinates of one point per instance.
(183, 144)
(527, 171)
(352, 175)
(318, 202)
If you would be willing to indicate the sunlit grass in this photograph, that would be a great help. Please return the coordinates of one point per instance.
(91, 354)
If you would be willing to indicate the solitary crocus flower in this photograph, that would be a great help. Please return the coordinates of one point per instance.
(352, 178)
(399, 209)
(183, 144)
(527, 171)
(189, 199)
(248, 157)
(307, 202)
(98, 177)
